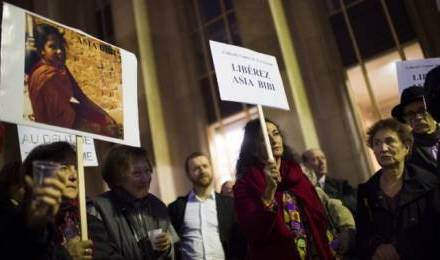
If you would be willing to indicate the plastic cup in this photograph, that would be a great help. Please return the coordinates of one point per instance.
(153, 235)
(44, 169)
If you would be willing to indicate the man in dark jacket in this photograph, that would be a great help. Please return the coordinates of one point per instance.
(316, 160)
(205, 219)
(412, 111)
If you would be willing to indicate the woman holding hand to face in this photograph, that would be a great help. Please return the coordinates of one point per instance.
(45, 223)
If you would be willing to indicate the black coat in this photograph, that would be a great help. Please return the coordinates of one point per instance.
(342, 190)
(413, 227)
(231, 238)
(112, 231)
(18, 241)
(422, 157)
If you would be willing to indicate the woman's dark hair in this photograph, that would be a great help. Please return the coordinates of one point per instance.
(118, 161)
(402, 130)
(60, 152)
(41, 34)
(251, 145)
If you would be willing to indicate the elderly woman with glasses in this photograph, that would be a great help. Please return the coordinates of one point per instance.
(137, 222)
(399, 206)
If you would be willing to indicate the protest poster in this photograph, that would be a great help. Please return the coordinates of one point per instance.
(247, 76)
(413, 72)
(30, 137)
(61, 79)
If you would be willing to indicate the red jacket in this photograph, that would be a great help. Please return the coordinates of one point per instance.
(268, 236)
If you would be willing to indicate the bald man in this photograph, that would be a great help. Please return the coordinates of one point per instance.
(316, 160)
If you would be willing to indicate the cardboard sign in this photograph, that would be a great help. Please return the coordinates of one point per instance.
(247, 76)
(30, 137)
(59, 78)
(413, 72)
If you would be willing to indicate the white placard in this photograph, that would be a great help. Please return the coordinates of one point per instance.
(30, 137)
(248, 76)
(91, 92)
(413, 72)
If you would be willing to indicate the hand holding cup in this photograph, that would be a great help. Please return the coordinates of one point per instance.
(160, 241)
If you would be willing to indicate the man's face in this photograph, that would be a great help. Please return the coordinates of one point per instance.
(138, 178)
(388, 149)
(53, 51)
(418, 118)
(316, 161)
(199, 171)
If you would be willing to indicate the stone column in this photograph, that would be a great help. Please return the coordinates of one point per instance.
(146, 61)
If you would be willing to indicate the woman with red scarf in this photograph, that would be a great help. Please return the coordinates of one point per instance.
(277, 207)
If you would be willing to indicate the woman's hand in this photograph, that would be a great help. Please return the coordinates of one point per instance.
(46, 200)
(79, 249)
(272, 177)
(162, 242)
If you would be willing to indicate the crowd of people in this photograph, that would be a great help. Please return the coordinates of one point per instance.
(286, 208)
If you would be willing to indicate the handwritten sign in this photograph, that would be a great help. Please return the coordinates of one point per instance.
(30, 137)
(413, 72)
(248, 76)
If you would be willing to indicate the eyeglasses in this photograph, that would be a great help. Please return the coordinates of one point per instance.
(411, 115)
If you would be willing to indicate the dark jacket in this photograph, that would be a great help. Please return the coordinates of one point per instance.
(113, 214)
(421, 156)
(232, 241)
(412, 227)
(18, 241)
(342, 190)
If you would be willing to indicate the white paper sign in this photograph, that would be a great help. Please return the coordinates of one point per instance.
(248, 76)
(30, 137)
(83, 87)
(413, 72)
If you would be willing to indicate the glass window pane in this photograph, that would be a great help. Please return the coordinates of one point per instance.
(198, 54)
(233, 27)
(217, 32)
(208, 100)
(209, 9)
(371, 29)
(382, 74)
(229, 4)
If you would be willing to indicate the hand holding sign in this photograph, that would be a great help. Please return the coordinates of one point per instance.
(247, 76)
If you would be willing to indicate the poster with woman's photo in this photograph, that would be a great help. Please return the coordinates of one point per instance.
(59, 78)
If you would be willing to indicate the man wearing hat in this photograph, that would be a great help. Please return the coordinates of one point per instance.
(412, 110)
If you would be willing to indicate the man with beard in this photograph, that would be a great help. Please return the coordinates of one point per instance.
(412, 111)
(204, 219)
